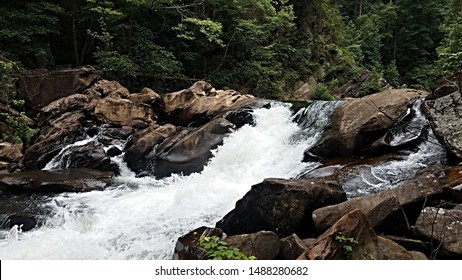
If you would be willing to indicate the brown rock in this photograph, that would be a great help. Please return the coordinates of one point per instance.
(445, 227)
(10, 152)
(145, 141)
(55, 181)
(292, 247)
(263, 245)
(358, 123)
(123, 112)
(428, 183)
(41, 87)
(352, 238)
(446, 85)
(416, 255)
(282, 206)
(74, 102)
(146, 96)
(65, 130)
(105, 88)
(201, 100)
(189, 152)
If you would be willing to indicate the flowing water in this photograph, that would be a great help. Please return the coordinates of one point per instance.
(141, 218)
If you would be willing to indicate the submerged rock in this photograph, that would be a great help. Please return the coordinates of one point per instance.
(55, 181)
(282, 206)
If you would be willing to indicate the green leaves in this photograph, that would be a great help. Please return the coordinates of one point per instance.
(217, 249)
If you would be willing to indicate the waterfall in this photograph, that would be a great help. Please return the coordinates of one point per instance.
(141, 218)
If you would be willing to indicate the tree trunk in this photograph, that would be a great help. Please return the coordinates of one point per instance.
(75, 42)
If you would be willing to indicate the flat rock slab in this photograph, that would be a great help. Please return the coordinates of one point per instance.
(56, 181)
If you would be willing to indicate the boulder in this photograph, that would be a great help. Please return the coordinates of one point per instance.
(104, 88)
(189, 152)
(393, 211)
(123, 112)
(200, 101)
(282, 206)
(358, 123)
(444, 227)
(188, 246)
(55, 181)
(91, 155)
(10, 152)
(71, 103)
(144, 142)
(446, 85)
(146, 96)
(444, 115)
(292, 247)
(352, 238)
(41, 87)
(263, 245)
(51, 139)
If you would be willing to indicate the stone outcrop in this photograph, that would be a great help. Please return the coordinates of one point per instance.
(200, 103)
(444, 115)
(444, 226)
(55, 181)
(10, 152)
(446, 85)
(123, 112)
(359, 123)
(396, 209)
(263, 245)
(291, 247)
(41, 87)
(352, 238)
(281, 206)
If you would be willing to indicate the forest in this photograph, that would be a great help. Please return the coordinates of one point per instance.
(265, 47)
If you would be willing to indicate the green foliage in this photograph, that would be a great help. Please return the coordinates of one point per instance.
(217, 249)
(17, 121)
(347, 244)
(450, 50)
(373, 85)
(322, 92)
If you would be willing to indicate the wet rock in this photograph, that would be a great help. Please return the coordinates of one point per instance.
(55, 181)
(444, 227)
(190, 152)
(188, 246)
(358, 123)
(10, 152)
(24, 211)
(282, 206)
(51, 139)
(201, 100)
(352, 238)
(90, 156)
(382, 210)
(41, 87)
(444, 115)
(292, 247)
(123, 112)
(263, 245)
(113, 151)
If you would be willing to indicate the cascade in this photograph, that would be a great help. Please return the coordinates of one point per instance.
(141, 218)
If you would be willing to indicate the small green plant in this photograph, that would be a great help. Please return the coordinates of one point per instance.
(217, 249)
(347, 244)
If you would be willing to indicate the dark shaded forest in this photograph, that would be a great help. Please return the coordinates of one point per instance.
(265, 47)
